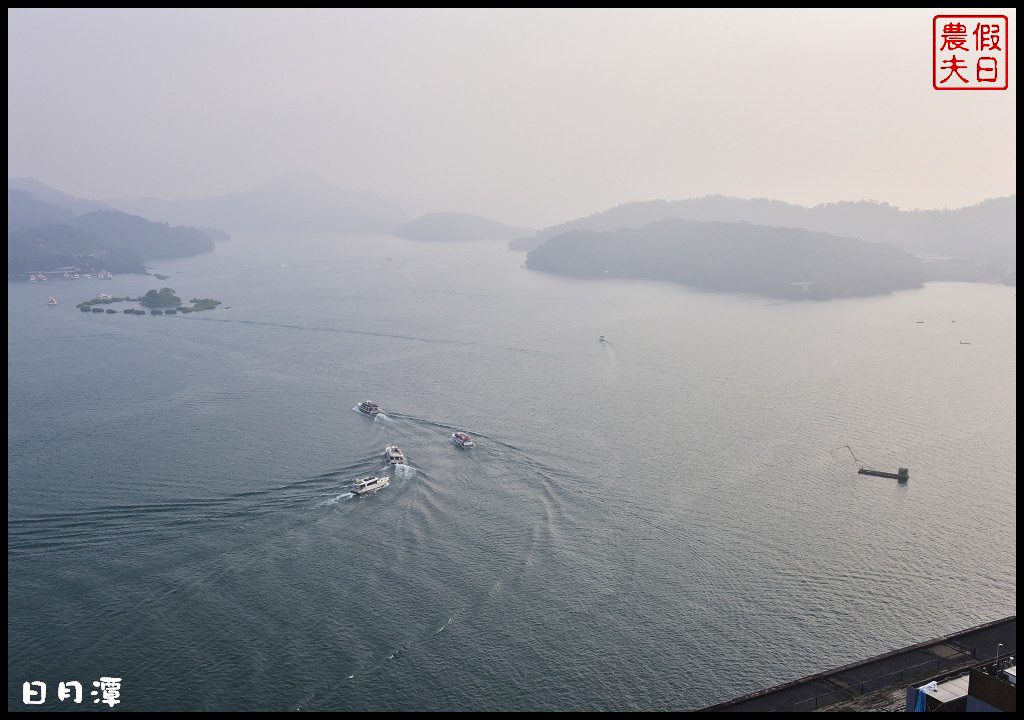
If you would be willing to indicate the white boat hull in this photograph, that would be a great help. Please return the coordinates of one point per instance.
(373, 410)
(370, 489)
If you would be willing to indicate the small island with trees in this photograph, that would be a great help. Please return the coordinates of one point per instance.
(159, 302)
(165, 297)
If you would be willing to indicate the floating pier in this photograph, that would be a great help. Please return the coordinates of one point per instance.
(903, 475)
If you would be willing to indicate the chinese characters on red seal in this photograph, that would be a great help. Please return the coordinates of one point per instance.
(970, 52)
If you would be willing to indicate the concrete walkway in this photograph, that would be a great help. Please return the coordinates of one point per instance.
(897, 669)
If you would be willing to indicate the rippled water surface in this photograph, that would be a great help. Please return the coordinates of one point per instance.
(662, 521)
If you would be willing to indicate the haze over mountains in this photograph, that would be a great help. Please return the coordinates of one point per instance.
(48, 228)
(44, 237)
(43, 193)
(457, 227)
(24, 210)
(292, 203)
(986, 231)
(831, 250)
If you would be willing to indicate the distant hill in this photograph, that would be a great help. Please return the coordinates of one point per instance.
(985, 232)
(44, 193)
(735, 257)
(302, 202)
(49, 247)
(101, 240)
(32, 202)
(457, 227)
(153, 241)
(24, 211)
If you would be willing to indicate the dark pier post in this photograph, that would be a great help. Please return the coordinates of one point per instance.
(903, 475)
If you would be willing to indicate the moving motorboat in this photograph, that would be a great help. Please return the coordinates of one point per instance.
(394, 455)
(462, 440)
(367, 485)
(368, 407)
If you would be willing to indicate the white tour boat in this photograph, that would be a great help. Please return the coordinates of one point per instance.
(367, 485)
(394, 455)
(368, 407)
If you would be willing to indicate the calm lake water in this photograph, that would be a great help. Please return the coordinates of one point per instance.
(659, 522)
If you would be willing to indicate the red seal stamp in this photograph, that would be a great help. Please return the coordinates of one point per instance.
(970, 52)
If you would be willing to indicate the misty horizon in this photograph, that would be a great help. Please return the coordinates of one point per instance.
(286, 178)
(559, 114)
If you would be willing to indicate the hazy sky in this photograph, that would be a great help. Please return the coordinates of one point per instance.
(531, 117)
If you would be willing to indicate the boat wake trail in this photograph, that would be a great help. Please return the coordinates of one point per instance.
(336, 498)
(460, 428)
(485, 484)
(368, 333)
(96, 526)
(421, 639)
(405, 471)
(514, 513)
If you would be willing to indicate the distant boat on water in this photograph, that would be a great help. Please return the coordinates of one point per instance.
(462, 440)
(51, 301)
(368, 407)
(964, 343)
